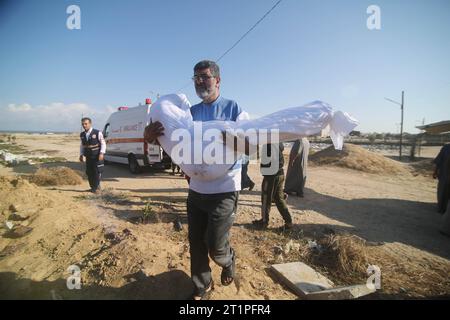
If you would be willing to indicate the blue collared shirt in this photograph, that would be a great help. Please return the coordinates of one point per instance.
(225, 110)
(220, 109)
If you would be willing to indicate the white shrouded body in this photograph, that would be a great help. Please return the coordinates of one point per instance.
(197, 148)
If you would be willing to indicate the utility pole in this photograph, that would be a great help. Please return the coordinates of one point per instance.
(401, 125)
(402, 104)
(81, 125)
(420, 135)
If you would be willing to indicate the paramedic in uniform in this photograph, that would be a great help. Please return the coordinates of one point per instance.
(211, 205)
(92, 148)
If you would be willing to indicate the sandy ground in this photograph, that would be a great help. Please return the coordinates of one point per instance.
(120, 257)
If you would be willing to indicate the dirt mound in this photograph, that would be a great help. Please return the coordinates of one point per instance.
(13, 192)
(20, 204)
(358, 158)
(56, 176)
(422, 167)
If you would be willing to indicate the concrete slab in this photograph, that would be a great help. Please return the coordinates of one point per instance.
(301, 278)
(341, 293)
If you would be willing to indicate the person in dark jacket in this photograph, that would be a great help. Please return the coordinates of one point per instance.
(92, 148)
(442, 173)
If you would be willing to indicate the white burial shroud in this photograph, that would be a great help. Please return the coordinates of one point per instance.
(199, 151)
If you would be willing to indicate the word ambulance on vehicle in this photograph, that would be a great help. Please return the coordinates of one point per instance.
(124, 136)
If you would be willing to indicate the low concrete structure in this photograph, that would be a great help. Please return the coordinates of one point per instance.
(310, 284)
(342, 293)
(301, 278)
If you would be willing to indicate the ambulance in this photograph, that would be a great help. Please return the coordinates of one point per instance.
(124, 136)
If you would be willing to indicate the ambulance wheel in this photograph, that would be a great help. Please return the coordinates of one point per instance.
(133, 165)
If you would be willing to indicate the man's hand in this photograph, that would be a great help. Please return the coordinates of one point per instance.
(81, 158)
(153, 131)
(101, 157)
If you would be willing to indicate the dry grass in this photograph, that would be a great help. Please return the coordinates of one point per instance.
(13, 148)
(413, 277)
(345, 259)
(56, 176)
(348, 252)
(358, 158)
(343, 256)
(47, 159)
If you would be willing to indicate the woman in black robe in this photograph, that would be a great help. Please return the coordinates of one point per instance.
(297, 167)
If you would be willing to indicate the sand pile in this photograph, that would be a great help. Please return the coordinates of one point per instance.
(56, 176)
(15, 193)
(21, 202)
(358, 158)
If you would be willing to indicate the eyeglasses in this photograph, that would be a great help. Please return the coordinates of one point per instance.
(202, 77)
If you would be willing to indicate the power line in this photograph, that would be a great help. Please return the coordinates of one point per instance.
(241, 38)
(185, 86)
(249, 30)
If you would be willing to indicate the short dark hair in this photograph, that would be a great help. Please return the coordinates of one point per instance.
(86, 119)
(208, 64)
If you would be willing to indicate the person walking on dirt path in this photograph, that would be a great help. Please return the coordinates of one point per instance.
(211, 205)
(92, 148)
(272, 162)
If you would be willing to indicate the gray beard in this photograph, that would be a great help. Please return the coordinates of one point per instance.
(203, 93)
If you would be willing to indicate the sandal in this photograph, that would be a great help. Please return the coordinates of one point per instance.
(205, 295)
(229, 272)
